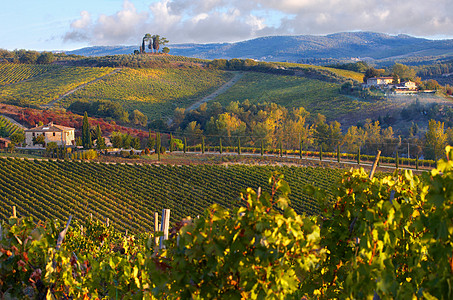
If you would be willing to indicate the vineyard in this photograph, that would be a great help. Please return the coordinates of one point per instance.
(375, 238)
(130, 194)
(156, 92)
(50, 85)
(12, 73)
(9, 127)
(290, 91)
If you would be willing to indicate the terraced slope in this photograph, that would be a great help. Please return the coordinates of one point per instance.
(130, 194)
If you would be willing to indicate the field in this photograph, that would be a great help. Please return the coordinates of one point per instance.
(130, 194)
(156, 91)
(290, 91)
(49, 86)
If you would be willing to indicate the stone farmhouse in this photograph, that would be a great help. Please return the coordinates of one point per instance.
(61, 135)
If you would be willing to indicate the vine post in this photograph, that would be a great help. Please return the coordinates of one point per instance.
(375, 164)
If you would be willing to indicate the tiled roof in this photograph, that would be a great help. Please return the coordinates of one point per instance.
(5, 140)
(49, 128)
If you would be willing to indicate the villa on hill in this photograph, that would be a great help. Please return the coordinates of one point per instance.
(379, 82)
(61, 135)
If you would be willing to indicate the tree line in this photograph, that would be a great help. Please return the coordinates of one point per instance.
(273, 125)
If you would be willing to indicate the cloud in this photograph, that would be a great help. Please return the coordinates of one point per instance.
(233, 20)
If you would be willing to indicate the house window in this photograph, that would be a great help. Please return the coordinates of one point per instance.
(54, 134)
(33, 134)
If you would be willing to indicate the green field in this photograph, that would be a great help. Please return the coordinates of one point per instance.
(290, 91)
(130, 194)
(50, 85)
(156, 91)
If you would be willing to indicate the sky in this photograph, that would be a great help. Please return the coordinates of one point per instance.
(67, 25)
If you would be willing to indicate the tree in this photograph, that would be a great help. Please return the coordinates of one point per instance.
(28, 57)
(435, 140)
(166, 50)
(100, 140)
(45, 58)
(117, 139)
(86, 134)
(372, 72)
(158, 41)
(138, 118)
(39, 140)
(3, 131)
(145, 39)
(135, 143)
(403, 72)
(151, 141)
(17, 138)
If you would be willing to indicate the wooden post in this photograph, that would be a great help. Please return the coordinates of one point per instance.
(164, 226)
(108, 222)
(14, 212)
(1, 233)
(376, 161)
(91, 217)
(156, 229)
(62, 234)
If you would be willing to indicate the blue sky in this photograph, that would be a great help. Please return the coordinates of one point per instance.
(66, 25)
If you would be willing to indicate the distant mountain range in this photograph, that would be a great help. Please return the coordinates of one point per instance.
(339, 47)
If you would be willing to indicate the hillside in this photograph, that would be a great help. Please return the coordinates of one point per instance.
(375, 47)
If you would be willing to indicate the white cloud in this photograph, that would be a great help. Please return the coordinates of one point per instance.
(233, 20)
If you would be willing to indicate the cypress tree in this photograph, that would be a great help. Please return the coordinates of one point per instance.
(281, 149)
(151, 141)
(220, 146)
(262, 147)
(320, 152)
(185, 145)
(338, 153)
(358, 155)
(86, 134)
(100, 141)
(202, 144)
(239, 145)
(416, 162)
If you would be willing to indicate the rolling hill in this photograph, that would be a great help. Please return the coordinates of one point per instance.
(378, 47)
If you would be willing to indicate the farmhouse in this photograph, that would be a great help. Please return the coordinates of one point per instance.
(4, 143)
(379, 81)
(61, 135)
